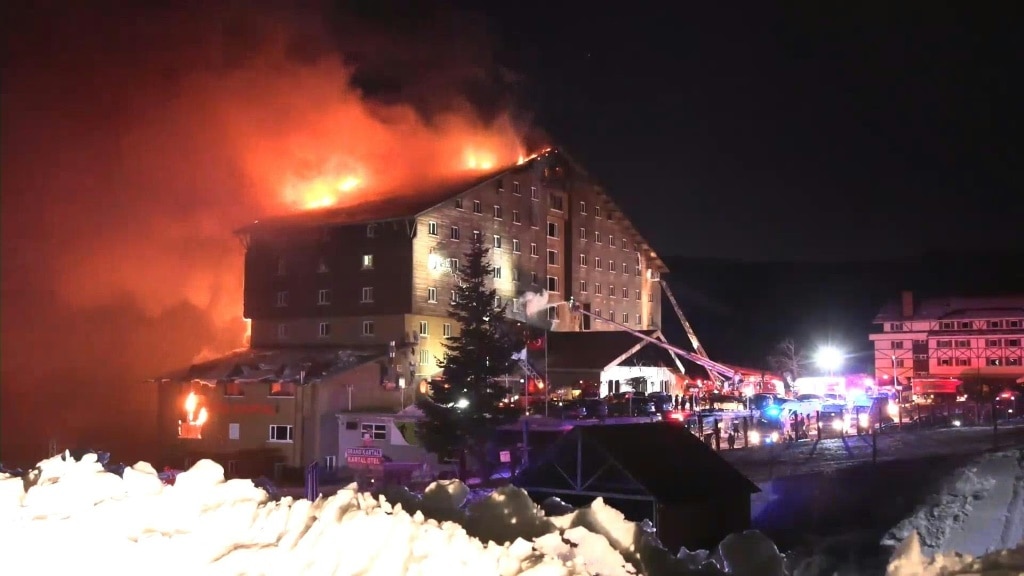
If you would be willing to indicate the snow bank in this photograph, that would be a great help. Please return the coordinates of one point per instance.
(76, 511)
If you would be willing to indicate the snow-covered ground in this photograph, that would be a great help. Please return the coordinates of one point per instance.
(762, 463)
(73, 513)
(979, 509)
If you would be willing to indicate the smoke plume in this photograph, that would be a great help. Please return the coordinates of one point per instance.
(135, 140)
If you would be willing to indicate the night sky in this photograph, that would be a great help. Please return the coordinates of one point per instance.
(795, 131)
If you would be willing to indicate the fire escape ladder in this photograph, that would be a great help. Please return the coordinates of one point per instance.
(690, 333)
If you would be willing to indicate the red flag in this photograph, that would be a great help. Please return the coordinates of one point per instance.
(535, 345)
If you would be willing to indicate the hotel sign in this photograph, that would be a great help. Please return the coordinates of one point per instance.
(362, 457)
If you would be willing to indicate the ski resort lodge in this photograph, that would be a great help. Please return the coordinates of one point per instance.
(349, 309)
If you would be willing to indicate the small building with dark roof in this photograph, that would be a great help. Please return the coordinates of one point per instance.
(658, 472)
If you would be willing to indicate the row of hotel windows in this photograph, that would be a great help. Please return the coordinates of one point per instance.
(556, 200)
(990, 361)
(989, 343)
(323, 296)
(965, 325)
(369, 328)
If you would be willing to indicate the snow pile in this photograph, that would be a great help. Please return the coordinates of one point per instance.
(203, 524)
(206, 525)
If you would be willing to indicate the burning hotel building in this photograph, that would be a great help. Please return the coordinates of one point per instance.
(356, 300)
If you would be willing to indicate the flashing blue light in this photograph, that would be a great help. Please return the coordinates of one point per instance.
(772, 410)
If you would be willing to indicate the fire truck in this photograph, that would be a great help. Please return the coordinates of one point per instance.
(937, 390)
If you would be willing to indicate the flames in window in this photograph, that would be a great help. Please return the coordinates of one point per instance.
(192, 426)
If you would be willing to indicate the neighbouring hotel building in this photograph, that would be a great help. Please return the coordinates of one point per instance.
(349, 307)
(977, 340)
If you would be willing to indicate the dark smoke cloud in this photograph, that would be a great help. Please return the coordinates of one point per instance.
(134, 140)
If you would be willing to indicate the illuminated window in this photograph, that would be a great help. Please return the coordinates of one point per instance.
(374, 431)
(497, 302)
(424, 357)
(368, 328)
(233, 389)
(367, 295)
(476, 236)
(323, 297)
(282, 389)
(234, 431)
(280, 433)
(432, 228)
(367, 261)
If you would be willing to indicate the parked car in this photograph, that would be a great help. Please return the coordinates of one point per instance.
(596, 408)
(568, 409)
(662, 402)
(631, 406)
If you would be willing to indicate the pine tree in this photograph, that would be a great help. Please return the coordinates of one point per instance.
(465, 407)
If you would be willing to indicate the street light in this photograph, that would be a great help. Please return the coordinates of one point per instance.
(829, 358)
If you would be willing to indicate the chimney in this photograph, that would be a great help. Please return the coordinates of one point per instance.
(908, 304)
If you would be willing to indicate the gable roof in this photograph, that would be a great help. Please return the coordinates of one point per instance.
(662, 460)
(594, 350)
(955, 308)
(278, 364)
(383, 207)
